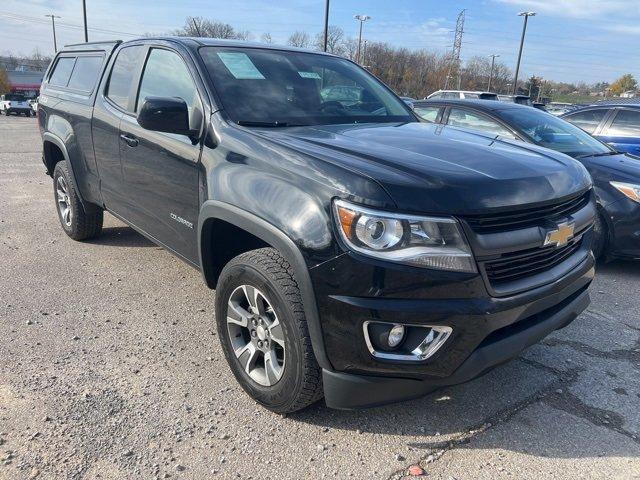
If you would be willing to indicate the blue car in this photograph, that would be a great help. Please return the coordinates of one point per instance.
(615, 123)
(616, 176)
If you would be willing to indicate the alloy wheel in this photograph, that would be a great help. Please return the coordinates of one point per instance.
(256, 335)
(64, 201)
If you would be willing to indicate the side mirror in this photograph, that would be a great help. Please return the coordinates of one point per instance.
(165, 114)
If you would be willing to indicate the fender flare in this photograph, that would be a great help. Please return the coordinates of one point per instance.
(50, 137)
(213, 209)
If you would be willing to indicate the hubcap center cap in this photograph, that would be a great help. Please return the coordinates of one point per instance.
(262, 332)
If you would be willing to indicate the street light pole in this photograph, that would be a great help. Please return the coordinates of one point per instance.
(361, 19)
(493, 62)
(526, 16)
(326, 25)
(53, 25)
(84, 14)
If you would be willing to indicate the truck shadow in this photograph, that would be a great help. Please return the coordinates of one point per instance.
(624, 267)
(517, 407)
(121, 236)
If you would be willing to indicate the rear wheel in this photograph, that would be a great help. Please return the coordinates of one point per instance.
(76, 221)
(600, 237)
(263, 331)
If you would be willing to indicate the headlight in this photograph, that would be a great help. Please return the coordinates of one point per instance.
(629, 189)
(431, 242)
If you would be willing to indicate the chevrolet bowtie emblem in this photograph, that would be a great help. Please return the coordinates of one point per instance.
(560, 236)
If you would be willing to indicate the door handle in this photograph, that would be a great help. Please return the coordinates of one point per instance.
(131, 141)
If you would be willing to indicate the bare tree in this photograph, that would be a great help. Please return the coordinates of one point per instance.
(335, 40)
(5, 86)
(202, 27)
(266, 38)
(299, 39)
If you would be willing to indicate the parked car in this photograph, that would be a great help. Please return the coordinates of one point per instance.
(14, 103)
(463, 94)
(557, 110)
(356, 252)
(408, 100)
(616, 176)
(617, 124)
(539, 106)
(519, 99)
(34, 106)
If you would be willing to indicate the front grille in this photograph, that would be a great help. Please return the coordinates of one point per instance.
(525, 263)
(514, 220)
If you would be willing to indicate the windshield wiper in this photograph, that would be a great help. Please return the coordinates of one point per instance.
(250, 123)
(601, 154)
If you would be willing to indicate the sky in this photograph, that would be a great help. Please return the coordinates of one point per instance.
(568, 40)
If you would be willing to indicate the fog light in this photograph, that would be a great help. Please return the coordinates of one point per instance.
(396, 334)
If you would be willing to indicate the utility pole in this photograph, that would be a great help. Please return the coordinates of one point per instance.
(326, 25)
(455, 53)
(493, 62)
(364, 54)
(53, 24)
(526, 16)
(84, 14)
(361, 19)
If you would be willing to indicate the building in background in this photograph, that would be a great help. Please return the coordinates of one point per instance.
(25, 82)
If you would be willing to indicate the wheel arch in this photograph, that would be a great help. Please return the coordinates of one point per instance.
(54, 151)
(213, 212)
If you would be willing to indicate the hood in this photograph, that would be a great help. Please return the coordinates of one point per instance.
(430, 168)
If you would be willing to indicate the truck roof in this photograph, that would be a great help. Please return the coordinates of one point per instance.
(223, 42)
(78, 47)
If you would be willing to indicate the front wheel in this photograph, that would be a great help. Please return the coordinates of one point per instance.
(78, 223)
(263, 331)
(600, 236)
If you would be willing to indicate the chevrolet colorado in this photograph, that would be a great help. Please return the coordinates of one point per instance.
(356, 252)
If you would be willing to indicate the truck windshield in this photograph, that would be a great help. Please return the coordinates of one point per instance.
(271, 88)
(15, 97)
(554, 133)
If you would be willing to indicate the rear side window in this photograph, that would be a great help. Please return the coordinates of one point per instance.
(587, 120)
(428, 113)
(123, 75)
(62, 71)
(85, 73)
(459, 117)
(626, 123)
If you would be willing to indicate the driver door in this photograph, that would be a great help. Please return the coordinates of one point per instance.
(160, 170)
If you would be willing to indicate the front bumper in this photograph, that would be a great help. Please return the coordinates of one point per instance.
(624, 223)
(487, 330)
(348, 391)
(18, 110)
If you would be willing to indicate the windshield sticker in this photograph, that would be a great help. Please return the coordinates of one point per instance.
(313, 75)
(240, 66)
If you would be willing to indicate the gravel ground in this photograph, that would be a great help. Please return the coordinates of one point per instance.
(110, 368)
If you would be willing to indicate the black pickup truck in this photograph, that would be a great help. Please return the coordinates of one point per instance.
(356, 252)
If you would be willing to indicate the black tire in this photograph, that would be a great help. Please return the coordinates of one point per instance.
(301, 382)
(600, 237)
(80, 224)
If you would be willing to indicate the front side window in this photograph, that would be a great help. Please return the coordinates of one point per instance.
(62, 71)
(123, 75)
(552, 132)
(264, 87)
(587, 120)
(430, 114)
(166, 75)
(461, 117)
(85, 73)
(626, 124)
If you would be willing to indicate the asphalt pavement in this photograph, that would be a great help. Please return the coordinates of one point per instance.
(110, 368)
